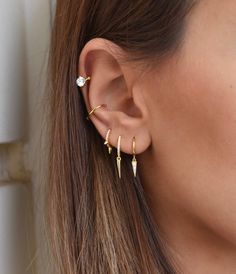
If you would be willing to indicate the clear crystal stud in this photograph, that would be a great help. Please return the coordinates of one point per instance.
(81, 81)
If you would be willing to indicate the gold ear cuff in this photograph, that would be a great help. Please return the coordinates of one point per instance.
(92, 111)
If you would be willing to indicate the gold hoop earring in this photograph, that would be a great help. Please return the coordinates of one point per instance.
(81, 81)
(134, 161)
(118, 158)
(92, 111)
(107, 141)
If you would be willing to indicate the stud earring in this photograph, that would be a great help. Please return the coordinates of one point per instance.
(118, 158)
(81, 81)
(107, 141)
(93, 110)
(134, 161)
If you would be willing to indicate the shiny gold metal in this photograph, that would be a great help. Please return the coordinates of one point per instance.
(93, 110)
(118, 158)
(107, 141)
(134, 161)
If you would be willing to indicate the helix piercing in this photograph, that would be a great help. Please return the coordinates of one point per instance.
(134, 161)
(107, 141)
(81, 81)
(118, 158)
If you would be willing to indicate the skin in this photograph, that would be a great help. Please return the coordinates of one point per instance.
(183, 115)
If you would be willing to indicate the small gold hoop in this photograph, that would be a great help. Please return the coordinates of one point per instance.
(118, 146)
(134, 146)
(107, 141)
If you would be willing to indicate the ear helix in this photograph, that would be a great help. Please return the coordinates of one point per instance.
(80, 82)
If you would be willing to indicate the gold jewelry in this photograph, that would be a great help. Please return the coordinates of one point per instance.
(93, 110)
(107, 141)
(81, 81)
(118, 158)
(134, 161)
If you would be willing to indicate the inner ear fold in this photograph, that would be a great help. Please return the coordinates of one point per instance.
(107, 84)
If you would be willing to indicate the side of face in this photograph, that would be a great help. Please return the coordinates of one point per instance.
(191, 100)
(183, 115)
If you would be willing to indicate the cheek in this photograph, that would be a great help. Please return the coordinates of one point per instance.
(195, 141)
(206, 107)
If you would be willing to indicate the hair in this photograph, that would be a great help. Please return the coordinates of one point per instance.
(99, 223)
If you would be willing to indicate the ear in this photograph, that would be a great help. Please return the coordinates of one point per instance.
(117, 85)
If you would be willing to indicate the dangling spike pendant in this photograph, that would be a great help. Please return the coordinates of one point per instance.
(134, 161)
(118, 158)
(107, 141)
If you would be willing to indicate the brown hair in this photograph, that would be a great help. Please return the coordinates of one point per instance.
(99, 223)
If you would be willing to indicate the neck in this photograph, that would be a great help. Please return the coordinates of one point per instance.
(195, 246)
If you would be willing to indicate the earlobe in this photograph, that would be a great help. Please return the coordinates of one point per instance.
(111, 96)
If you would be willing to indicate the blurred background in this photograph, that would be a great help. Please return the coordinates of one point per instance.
(25, 31)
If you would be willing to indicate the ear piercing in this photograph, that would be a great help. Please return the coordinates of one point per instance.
(118, 158)
(107, 141)
(81, 81)
(93, 110)
(134, 161)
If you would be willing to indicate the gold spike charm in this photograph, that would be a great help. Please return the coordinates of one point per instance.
(118, 158)
(107, 141)
(134, 161)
